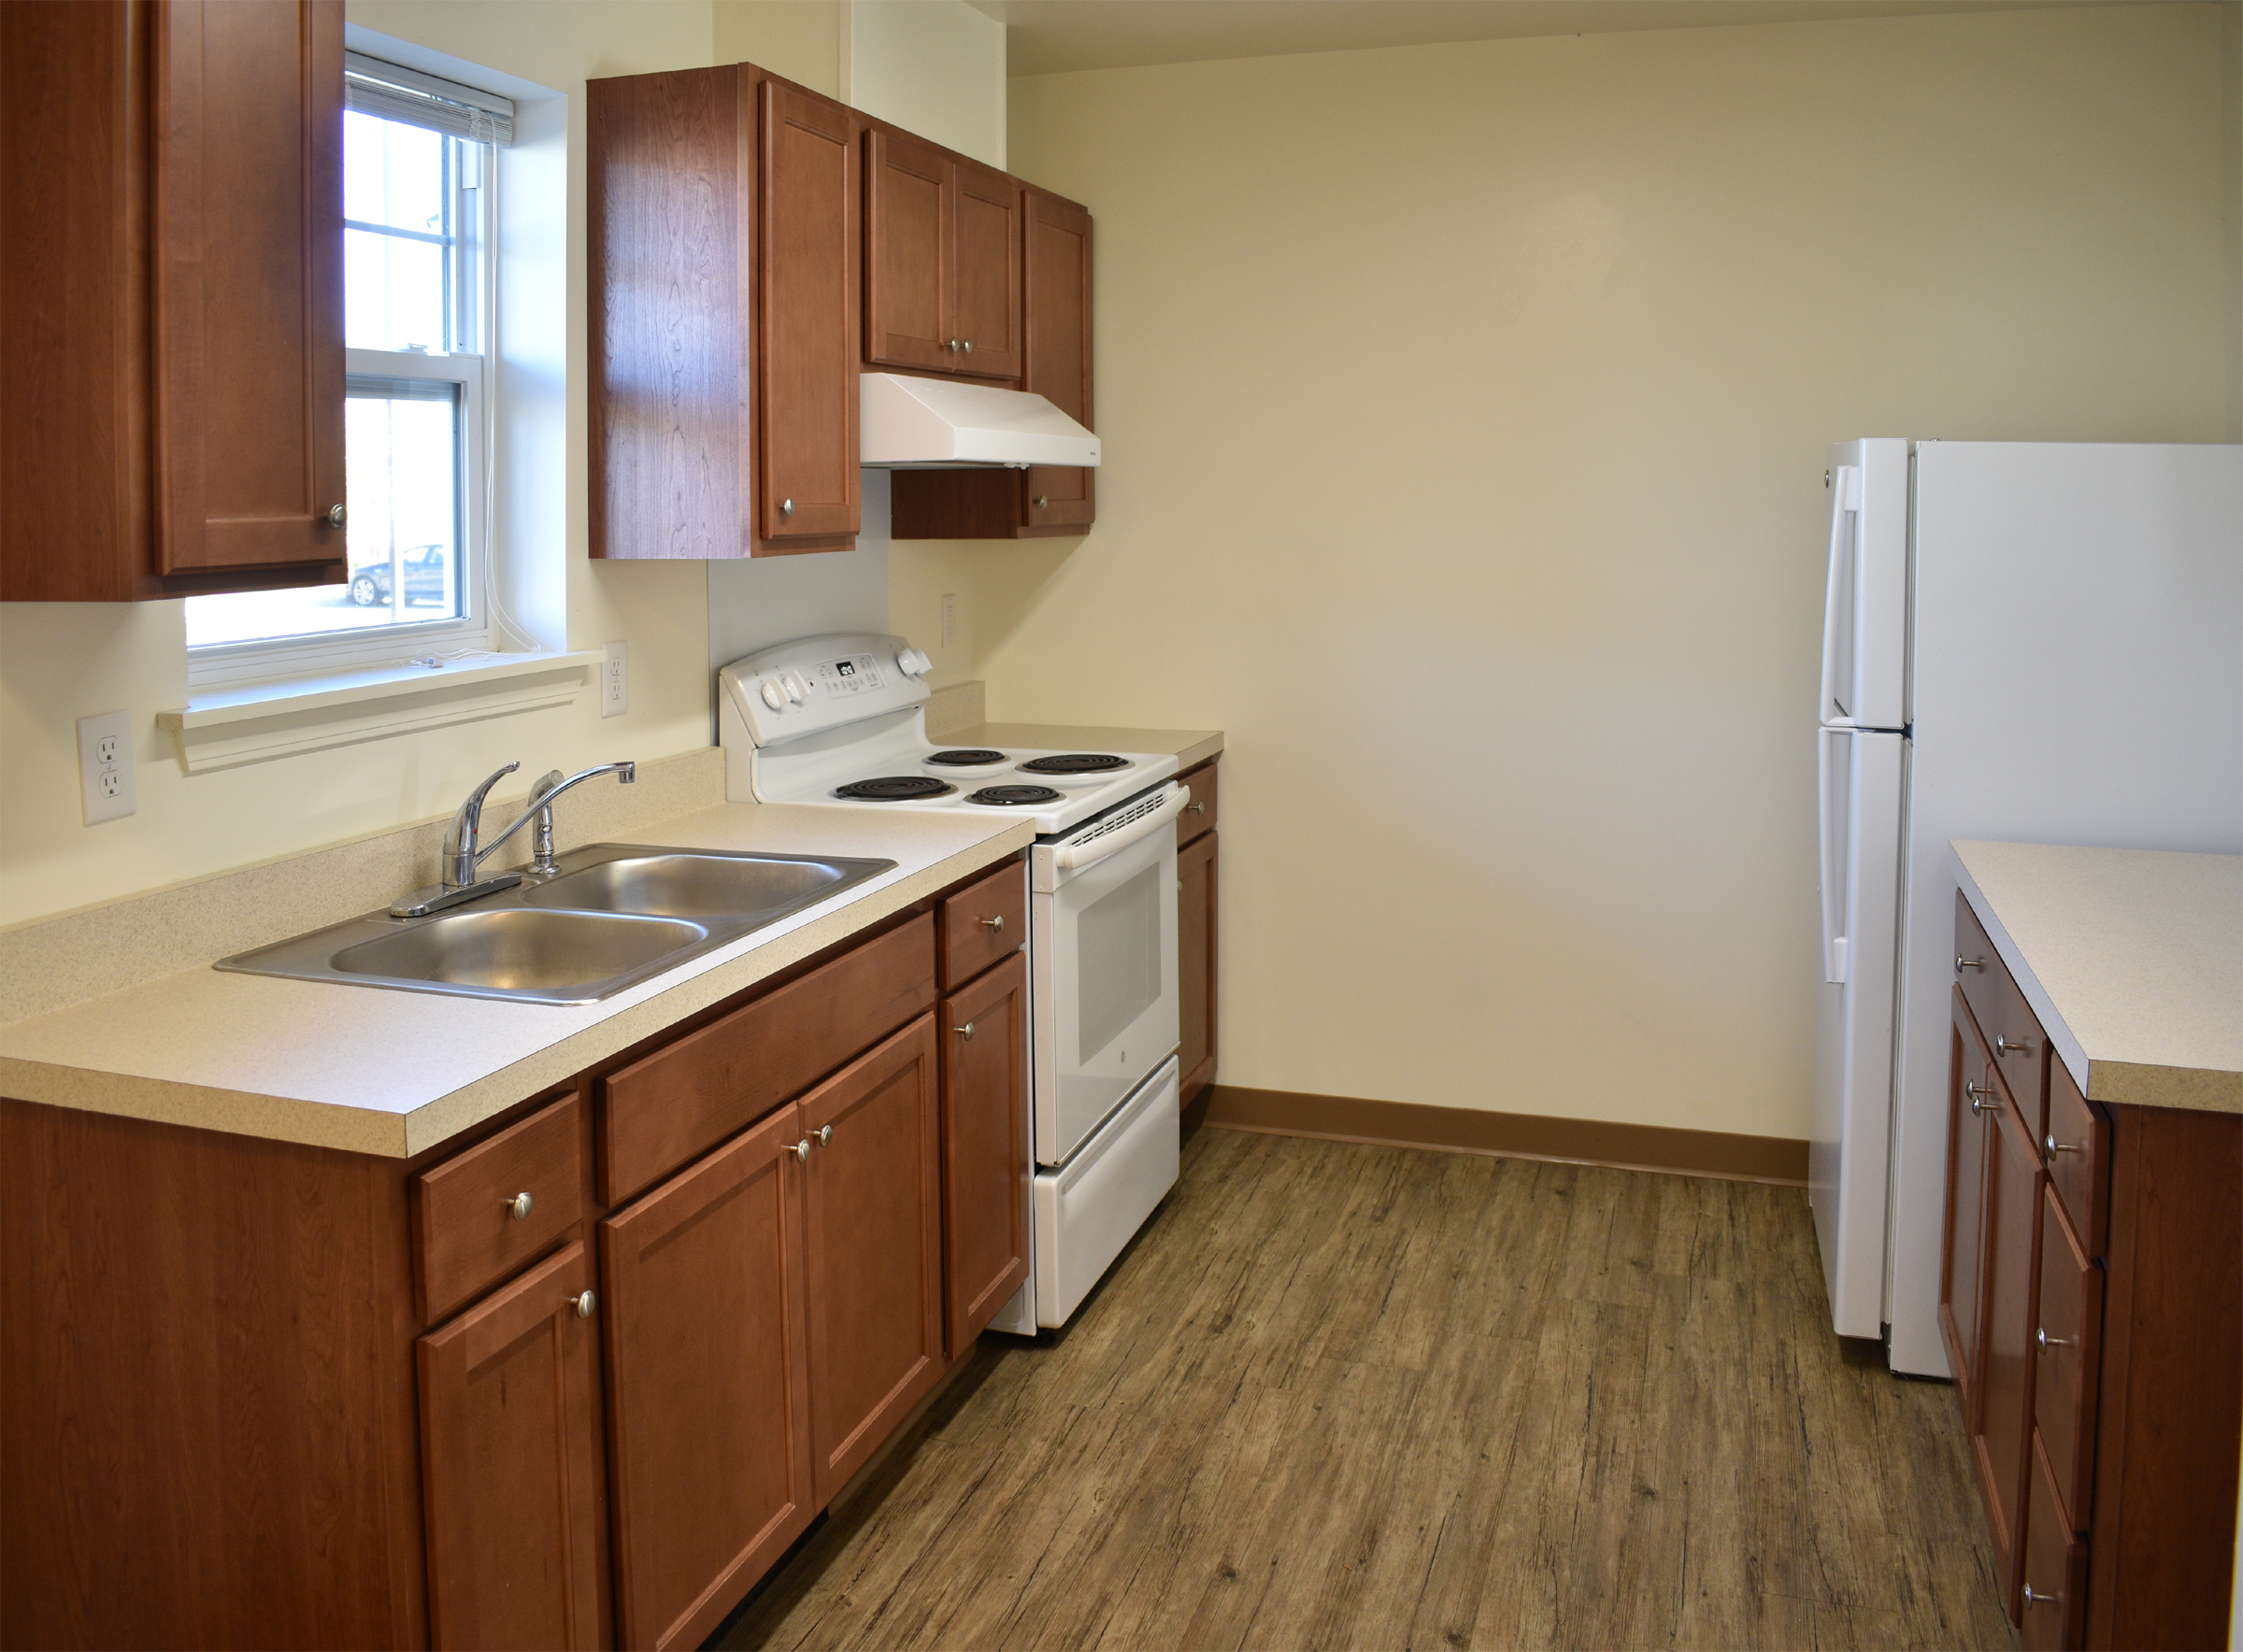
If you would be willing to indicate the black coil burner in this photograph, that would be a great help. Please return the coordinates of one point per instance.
(1077, 762)
(966, 760)
(1014, 796)
(895, 789)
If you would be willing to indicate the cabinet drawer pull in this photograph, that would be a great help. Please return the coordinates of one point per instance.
(966, 1031)
(1042, 500)
(584, 1304)
(2048, 1342)
(825, 1135)
(800, 1150)
(2056, 1147)
(786, 507)
(1963, 964)
(952, 345)
(1195, 808)
(336, 516)
(520, 1206)
(1981, 1097)
(970, 346)
(2032, 1599)
(2006, 1046)
(996, 923)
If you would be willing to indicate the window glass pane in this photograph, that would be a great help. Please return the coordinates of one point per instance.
(401, 438)
(392, 292)
(393, 174)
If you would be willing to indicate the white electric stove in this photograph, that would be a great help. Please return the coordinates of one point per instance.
(840, 721)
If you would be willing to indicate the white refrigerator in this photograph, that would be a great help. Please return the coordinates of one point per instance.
(2033, 641)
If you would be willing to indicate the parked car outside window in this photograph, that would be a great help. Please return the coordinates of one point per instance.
(427, 578)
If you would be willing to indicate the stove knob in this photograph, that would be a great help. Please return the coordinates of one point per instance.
(797, 686)
(914, 663)
(773, 696)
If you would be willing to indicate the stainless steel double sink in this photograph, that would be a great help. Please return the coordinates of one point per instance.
(615, 914)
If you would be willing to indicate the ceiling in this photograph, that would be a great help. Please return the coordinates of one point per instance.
(1052, 36)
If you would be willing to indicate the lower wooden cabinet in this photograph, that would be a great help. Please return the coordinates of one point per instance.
(873, 1248)
(983, 1028)
(707, 1383)
(2051, 1598)
(1196, 972)
(513, 1491)
(1971, 1105)
(2007, 1286)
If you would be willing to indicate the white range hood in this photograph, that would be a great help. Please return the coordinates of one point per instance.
(905, 423)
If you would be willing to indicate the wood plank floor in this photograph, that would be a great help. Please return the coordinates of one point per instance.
(1341, 1396)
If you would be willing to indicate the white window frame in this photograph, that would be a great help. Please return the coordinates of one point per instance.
(405, 642)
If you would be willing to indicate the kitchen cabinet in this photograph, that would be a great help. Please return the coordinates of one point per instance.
(709, 1380)
(2092, 1309)
(983, 1028)
(723, 228)
(1056, 364)
(1195, 928)
(512, 1487)
(170, 298)
(942, 261)
(873, 1249)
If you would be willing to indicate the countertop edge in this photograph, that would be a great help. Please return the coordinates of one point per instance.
(194, 1106)
(2060, 1033)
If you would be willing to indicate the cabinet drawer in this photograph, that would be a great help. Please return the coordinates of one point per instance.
(2078, 1143)
(1199, 814)
(984, 923)
(2013, 1033)
(467, 1232)
(688, 1096)
(2069, 1353)
(2050, 1615)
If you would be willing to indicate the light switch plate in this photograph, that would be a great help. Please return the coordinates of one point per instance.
(615, 682)
(104, 766)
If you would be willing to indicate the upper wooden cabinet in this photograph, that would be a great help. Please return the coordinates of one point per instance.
(170, 297)
(1056, 364)
(942, 246)
(723, 248)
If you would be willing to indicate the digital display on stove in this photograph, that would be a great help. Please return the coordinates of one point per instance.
(856, 675)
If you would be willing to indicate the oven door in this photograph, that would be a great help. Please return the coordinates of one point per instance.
(1103, 938)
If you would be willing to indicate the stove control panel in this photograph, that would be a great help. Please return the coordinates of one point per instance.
(821, 682)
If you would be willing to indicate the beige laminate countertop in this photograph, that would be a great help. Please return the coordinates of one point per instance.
(2132, 959)
(393, 1073)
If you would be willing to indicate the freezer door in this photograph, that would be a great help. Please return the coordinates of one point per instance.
(1853, 1045)
(1865, 586)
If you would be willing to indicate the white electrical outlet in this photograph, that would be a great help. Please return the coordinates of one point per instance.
(949, 620)
(104, 766)
(615, 682)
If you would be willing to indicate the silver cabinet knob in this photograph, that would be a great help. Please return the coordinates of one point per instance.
(825, 1135)
(2048, 1342)
(2033, 1598)
(1195, 808)
(1042, 500)
(2005, 1047)
(801, 1150)
(966, 1031)
(2056, 1147)
(996, 923)
(786, 507)
(970, 346)
(585, 1304)
(520, 1206)
(336, 516)
(1963, 964)
(952, 345)
(1981, 1097)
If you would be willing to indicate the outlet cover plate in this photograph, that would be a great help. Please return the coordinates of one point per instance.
(104, 766)
(615, 682)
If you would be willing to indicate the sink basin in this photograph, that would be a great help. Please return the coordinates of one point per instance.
(613, 916)
(519, 950)
(685, 885)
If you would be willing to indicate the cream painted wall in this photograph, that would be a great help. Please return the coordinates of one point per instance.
(1465, 410)
(935, 68)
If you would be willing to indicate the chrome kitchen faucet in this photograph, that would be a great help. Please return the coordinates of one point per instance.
(465, 852)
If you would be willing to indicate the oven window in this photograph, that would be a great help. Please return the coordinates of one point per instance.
(1118, 962)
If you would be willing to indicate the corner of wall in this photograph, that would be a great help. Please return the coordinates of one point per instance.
(2231, 90)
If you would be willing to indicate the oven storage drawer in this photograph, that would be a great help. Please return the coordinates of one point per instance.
(1092, 1207)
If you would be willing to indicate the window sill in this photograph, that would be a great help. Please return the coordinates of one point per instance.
(224, 727)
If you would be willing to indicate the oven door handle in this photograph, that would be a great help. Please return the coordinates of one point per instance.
(1073, 857)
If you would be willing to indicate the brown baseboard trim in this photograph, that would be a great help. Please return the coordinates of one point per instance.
(1509, 1135)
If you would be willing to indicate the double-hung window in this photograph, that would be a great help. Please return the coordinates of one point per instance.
(419, 174)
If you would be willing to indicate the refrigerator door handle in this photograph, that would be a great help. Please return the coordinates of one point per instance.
(1844, 500)
(1832, 871)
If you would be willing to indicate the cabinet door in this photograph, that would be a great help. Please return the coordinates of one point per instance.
(809, 258)
(985, 279)
(873, 1248)
(707, 1383)
(2008, 1295)
(247, 258)
(1969, 1118)
(1057, 366)
(510, 1466)
(983, 1029)
(908, 238)
(1195, 964)
(2055, 1570)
